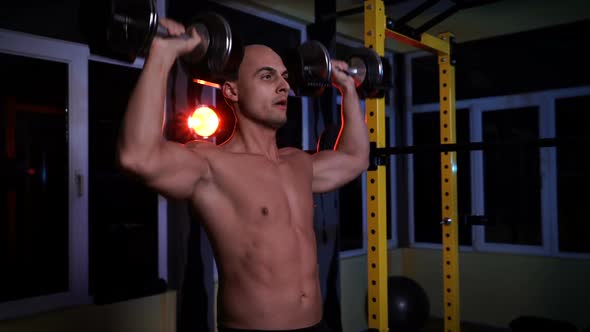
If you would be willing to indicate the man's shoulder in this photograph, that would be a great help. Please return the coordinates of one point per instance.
(291, 151)
(295, 154)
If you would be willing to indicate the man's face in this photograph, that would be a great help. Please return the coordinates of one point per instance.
(262, 87)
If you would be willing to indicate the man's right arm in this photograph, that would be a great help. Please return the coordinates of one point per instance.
(168, 167)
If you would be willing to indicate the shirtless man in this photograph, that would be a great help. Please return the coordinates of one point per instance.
(256, 200)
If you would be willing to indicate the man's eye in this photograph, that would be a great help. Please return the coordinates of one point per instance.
(266, 77)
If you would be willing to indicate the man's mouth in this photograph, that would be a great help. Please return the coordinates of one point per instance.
(282, 103)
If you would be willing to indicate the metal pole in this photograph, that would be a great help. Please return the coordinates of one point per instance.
(374, 32)
(449, 218)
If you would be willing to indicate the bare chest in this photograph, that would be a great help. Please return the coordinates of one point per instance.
(257, 190)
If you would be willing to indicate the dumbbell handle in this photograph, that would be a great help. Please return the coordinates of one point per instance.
(349, 71)
(196, 55)
(161, 31)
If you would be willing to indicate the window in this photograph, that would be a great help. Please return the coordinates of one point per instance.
(43, 162)
(512, 177)
(522, 174)
(34, 160)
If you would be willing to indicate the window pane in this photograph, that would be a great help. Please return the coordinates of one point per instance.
(424, 78)
(123, 213)
(427, 178)
(351, 215)
(34, 214)
(512, 177)
(573, 173)
(350, 206)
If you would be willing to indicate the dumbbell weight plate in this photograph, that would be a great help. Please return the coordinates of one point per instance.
(200, 51)
(371, 83)
(115, 35)
(317, 65)
(357, 69)
(131, 27)
(310, 68)
(223, 52)
(220, 40)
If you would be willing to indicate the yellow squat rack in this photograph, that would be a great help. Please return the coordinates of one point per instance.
(375, 32)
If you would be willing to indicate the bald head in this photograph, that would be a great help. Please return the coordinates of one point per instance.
(258, 56)
(257, 48)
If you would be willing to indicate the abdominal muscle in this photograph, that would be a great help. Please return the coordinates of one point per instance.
(269, 280)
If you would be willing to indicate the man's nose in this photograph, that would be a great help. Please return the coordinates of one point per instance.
(283, 85)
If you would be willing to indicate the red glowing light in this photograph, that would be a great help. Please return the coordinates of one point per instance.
(204, 121)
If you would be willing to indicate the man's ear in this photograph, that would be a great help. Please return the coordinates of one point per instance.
(230, 91)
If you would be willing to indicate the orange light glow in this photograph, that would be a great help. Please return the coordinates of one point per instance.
(203, 82)
(204, 121)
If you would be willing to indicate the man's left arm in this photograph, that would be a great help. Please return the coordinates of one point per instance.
(350, 156)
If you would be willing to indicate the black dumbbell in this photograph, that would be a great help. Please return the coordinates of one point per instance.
(125, 29)
(310, 70)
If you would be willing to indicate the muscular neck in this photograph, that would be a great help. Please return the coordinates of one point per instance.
(254, 138)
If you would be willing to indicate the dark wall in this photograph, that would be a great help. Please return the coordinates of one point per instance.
(543, 59)
(50, 18)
